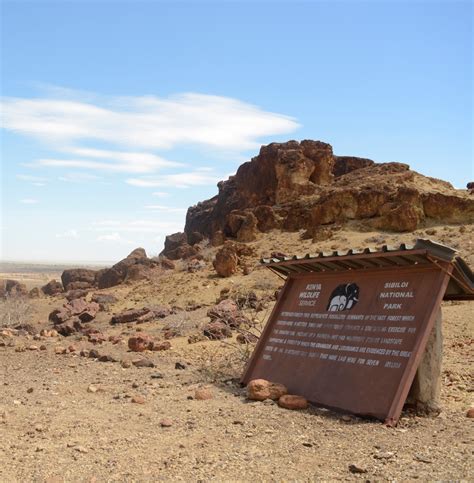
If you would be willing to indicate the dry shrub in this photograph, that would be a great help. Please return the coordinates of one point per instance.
(14, 310)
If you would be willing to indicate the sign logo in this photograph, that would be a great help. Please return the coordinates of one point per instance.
(343, 297)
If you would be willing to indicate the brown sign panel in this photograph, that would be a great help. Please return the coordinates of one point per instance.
(351, 340)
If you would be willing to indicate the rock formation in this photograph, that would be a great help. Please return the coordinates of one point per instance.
(303, 186)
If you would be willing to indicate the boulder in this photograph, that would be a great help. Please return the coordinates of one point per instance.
(52, 288)
(226, 261)
(140, 343)
(78, 278)
(135, 266)
(261, 389)
(71, 326)
(177, 247)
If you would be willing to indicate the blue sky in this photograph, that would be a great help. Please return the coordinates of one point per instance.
(117, 116)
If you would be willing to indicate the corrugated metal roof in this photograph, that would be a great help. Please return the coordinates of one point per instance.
(423, 252)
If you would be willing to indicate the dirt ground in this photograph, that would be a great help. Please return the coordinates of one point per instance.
(64, 417)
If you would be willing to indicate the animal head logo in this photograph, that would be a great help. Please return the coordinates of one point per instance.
(343, 297)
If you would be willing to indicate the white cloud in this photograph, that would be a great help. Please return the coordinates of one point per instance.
(34, 180)
(137, 226)
(68, 234)
(165, 209)
(179, 180)
(115, 237)
(78, 177)
(29, 201)
(146, 123)
(160, 194)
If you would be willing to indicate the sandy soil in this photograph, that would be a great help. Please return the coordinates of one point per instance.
(70, 418)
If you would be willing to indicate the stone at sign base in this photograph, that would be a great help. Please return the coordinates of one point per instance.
(289, 401)
(425, 390)
(261, 389)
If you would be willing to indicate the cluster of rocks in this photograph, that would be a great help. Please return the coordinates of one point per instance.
(142, 315)
(303, 186)
(136, 266)
(72, 315)
(142, 342)
(263, 390)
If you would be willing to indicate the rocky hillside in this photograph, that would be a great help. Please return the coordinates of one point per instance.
(303, 186)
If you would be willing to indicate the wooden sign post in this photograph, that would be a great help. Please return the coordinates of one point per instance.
(351, 340)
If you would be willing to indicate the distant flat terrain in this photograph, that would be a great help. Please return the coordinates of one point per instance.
(37, 274)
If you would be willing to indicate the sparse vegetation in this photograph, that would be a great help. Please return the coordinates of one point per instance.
(14, 310)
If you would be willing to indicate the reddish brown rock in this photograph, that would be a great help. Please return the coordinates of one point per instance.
(96, 337)
(52, 288)
(129, 315)
(135, 266)
(470, 413)
(59, 316)
(226, 261)
(78, 278)
(163, 345)
(70, 327)
(224, 310)
(177, 246)
(290, 401)
(138, 399)
(294, 186)
(261, 389)
(217, 330)
(140, 343)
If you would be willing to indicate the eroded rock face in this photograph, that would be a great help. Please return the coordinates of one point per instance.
(302, 185)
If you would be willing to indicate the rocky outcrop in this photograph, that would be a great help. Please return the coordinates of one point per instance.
(78, 278)
(136, 266)
(303, 186)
